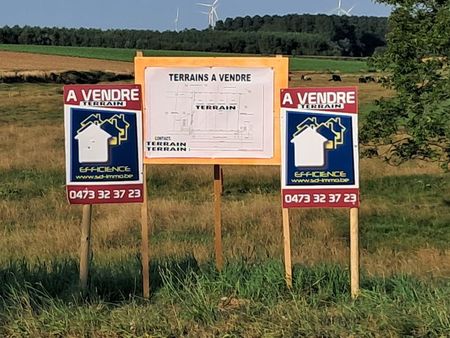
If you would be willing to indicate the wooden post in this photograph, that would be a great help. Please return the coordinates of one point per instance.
(287, 248)
(354, 252)
(145, 261)
(144, 241)
(85, 247)
(218, 188)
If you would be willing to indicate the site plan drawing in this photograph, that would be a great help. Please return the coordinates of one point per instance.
(209, 112)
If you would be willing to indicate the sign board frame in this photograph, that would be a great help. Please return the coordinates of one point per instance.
(103, 142)
(326, 178)
(278, 64)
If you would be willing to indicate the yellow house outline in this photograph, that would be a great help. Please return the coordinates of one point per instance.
(330, 124)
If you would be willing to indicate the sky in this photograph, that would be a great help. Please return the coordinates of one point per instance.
(160, 14)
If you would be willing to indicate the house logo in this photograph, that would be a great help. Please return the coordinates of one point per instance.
(312, 140)
(96, 135)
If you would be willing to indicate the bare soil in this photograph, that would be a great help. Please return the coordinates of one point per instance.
(13, 61)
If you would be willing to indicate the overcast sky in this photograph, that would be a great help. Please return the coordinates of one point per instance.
(160, 14)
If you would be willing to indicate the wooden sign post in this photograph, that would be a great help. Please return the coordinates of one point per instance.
(354, 252)
(145, 260)
(85, 247)
(218, 186)
(287, 247)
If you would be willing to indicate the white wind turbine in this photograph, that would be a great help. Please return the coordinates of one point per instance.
(341, 11)
(212, 12)
(176, 20)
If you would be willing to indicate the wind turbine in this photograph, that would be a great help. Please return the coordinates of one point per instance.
(176, 20)
(212, 12)
(341, 11)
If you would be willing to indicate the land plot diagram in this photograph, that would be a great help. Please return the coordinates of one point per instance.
(209, 112)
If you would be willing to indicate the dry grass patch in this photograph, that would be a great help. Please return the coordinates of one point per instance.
(32, 147)
(32, 105)
(426, 263)
(370, 168)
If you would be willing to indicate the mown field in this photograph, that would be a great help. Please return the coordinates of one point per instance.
(121, 54)
(405, 250)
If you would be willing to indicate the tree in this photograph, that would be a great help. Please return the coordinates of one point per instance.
(416, 123)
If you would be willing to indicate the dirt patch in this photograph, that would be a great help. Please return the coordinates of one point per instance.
(12, 61)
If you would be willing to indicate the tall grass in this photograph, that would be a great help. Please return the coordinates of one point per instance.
(243, 300)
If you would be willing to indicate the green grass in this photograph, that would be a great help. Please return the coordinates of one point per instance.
(418, 216)
(19, 185)
(328, 65)
(115, 54)
(195, 301)
(121, 54)
(364, 110)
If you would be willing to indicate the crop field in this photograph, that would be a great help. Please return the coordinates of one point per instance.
(120, 54)
(29, 62)
(404, 233)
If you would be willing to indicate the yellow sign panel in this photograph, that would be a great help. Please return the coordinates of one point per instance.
(212, 110)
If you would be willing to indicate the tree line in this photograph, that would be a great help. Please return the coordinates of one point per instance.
(288, 34)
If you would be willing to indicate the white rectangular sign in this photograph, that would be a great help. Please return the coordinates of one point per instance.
(209, 112)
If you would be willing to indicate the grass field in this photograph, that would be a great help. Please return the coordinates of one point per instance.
(404, 228)
(120, 54)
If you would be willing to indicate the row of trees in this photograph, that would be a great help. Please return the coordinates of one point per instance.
(356, 35)
(290, 35)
